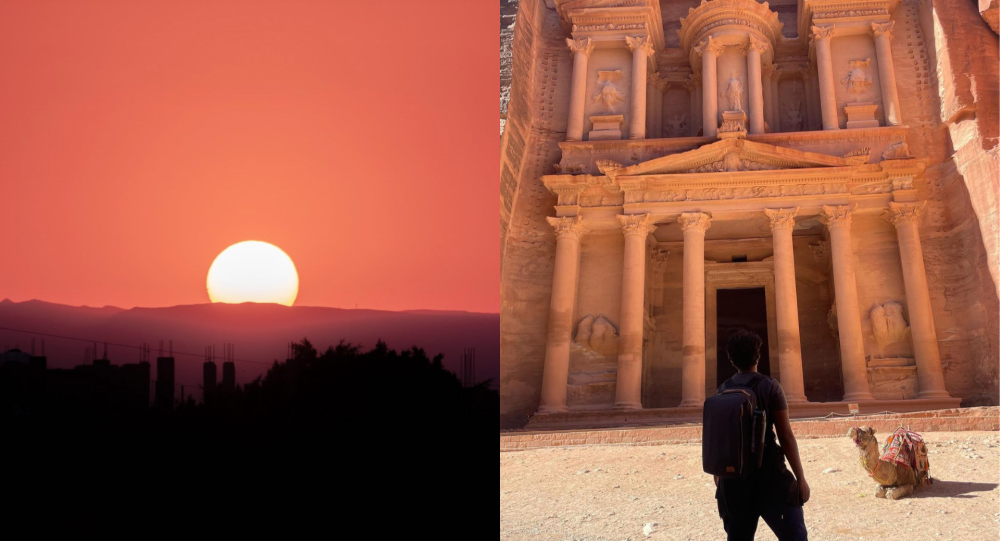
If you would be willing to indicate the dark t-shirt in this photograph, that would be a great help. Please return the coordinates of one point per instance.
(773, 483)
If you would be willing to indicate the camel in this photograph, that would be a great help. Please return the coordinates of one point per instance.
(895, 480)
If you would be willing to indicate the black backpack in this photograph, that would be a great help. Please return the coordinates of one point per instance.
(732, 440)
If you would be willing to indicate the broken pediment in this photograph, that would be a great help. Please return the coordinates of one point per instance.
(731, 155)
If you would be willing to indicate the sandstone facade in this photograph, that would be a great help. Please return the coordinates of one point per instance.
(821, 172)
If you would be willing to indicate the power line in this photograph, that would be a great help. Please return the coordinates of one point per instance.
(123, 345)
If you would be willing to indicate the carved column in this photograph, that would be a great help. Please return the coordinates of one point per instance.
(709, 51)
(628, 389)
(930, 377)
(787, 303)
(659, 270)
(886, 73)
(642, 48)
(694, 225)
(852, 350)
(812, 112)
(824, 67)
(767, 74)
(776, 99)
(755, 85)
(577, 97)
(654, 104)
(694, 87)
(555, 372)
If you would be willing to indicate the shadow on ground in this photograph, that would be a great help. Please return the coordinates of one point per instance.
(952, 489)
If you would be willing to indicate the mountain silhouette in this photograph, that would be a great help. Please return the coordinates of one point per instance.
(260, 333)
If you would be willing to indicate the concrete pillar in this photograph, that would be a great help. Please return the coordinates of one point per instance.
(577, 97)
(642, 48)
(628, 389)
(694, 225)
(755, 85)
(882, 32)
(930, 377)
(693, 85)
(824, 67)
(555, 372)
(767, 73)
(787, 303)
(709, 51)
(852, 350)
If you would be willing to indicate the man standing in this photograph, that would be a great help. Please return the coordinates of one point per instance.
(771, 492)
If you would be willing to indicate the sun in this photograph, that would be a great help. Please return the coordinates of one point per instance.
(253, 271)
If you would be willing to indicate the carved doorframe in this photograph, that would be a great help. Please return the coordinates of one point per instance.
(746, 275)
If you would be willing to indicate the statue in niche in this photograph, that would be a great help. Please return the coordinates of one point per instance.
(608, 94)
(888, 326)
(676, 125)
(597, 335)
(856, 81)
(793, 117)
(734, 93)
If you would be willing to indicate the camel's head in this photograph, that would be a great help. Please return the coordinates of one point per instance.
(862, 436)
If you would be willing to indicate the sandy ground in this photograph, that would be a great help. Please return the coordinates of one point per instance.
(613, 492)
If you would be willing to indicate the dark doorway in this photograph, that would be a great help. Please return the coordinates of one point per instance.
(740, 309)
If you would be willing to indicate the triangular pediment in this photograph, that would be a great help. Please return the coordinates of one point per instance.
(730, 155)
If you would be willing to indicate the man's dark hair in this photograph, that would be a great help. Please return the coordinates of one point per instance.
(743, 349)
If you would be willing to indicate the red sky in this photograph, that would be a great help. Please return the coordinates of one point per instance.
(140, 139)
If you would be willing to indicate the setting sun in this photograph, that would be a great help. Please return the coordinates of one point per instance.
(253, 271)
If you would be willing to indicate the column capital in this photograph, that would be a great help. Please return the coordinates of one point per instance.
(660, 260)
(757, 44)
(695, 221)
(568, 226)
(654, 79)
(884, 28)
(837, 215)
(823, 31)
(636, 224)
(782, 218)
(693, 81)
(768, 69)
(903, 213)
(582, 45)
(643, 43)
(708, 45)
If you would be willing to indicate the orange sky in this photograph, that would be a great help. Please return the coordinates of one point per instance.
(140, 139)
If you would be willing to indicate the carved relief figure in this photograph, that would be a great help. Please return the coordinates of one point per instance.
(734, 93)
(793, 117)
(608, 94)
(676, 126)
(888, 325)
(896, 151)
(856, 81)
(597, 335)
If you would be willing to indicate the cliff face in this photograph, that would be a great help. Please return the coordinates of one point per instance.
(508, 12)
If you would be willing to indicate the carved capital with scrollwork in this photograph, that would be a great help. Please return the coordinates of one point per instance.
(710, 46)
(823, 31)
(837, 215)
(571, 227)
(693, 82)
(903, 213)
(643, 43)
(695, 221)
(880, 29)
(767, 70)
(582, 45)
(782, 218)
(757, 44)
(637, 224)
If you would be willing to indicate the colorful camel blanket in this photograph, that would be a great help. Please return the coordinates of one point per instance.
(907, 449)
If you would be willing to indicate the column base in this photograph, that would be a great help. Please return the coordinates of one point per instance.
(933, 394)
(853, 397)
(552, 409)
(692, 403)
(627, 406)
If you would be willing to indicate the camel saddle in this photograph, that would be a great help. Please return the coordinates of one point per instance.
(907, 448)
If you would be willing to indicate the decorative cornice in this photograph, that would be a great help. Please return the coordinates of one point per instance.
(643, 43)
(723, 16)
(694, 221)
(837, 215)
(903, 213)
(636, 224)
(568, 227)
(582, 45)
(782, 218)
(885, 28)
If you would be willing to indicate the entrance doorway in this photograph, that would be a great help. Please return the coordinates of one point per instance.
(740, 309)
